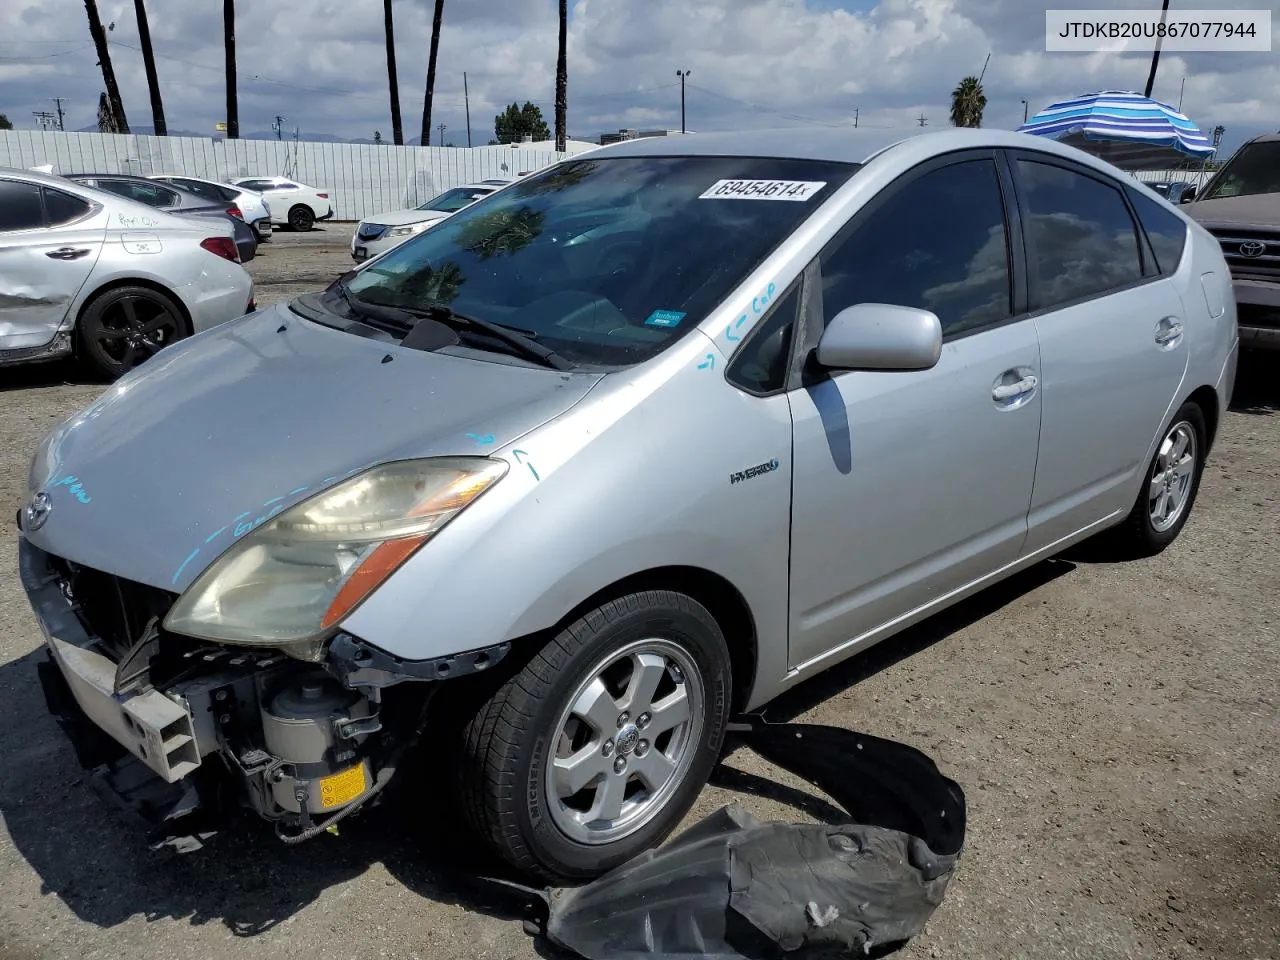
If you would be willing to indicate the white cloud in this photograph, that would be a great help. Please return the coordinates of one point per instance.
(755, 63)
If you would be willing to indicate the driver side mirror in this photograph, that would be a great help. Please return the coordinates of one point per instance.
(881, 336)
(1189, 196)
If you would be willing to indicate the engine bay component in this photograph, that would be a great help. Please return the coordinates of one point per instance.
(303, 723)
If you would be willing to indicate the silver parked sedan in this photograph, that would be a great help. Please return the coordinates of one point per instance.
(109, 279)
(535, 502)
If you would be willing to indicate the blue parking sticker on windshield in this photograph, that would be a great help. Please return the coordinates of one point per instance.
(664, 318)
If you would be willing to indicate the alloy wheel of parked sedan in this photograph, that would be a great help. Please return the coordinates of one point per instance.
(123, 327)
(595, 750)
(625, 741)
(1172, 475)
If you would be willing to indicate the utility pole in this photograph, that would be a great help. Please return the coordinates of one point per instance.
(114, 103)
(159, 127)
(683, 75)
(278, 126)
(855, 117)
(466, 96)
(922, 119)
(442, 128)
(58, 101)
(229, 51)
(1155, 56)
(1024, 111)
(44, 118)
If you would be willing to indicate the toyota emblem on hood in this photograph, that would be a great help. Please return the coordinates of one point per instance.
(37, 511)
(1252, 248)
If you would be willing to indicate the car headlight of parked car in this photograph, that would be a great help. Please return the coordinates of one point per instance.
(409, 229)
(286, 583)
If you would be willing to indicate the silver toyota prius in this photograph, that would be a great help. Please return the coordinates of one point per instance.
(534, 503)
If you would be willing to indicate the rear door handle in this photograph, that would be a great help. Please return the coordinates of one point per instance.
(1008, 391)
(67, 253)
(1168, 331)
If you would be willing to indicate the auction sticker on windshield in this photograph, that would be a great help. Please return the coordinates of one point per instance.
(762, 190)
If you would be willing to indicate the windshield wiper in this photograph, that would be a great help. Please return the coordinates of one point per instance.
(402, 320)
(406, 318)
(523, 342)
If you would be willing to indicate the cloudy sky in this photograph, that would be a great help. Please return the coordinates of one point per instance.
(754, 63)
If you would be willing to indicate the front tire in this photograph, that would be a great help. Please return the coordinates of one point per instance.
(1168, 490)
(595, 750)
(301, 218)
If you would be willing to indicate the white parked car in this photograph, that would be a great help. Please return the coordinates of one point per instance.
(292, 203)
(386, 230)
(253, 206)
(107, 279)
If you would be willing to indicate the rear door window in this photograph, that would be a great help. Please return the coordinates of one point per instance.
(63, 208)
(1081, 240)
(20, 207)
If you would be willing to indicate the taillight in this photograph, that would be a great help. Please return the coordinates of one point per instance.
(224, 247)
(323, 196)
(235, 212)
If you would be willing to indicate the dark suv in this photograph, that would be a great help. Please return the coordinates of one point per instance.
(1241, 207)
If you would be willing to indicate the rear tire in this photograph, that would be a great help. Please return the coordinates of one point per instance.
(597, 748)
(301, 218)
(122, 327)
(1168, 491)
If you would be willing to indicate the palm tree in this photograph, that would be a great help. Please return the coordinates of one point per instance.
(397, 131)
(562, 77)
(967, 103)
(229, 47)
(99, 35)
(431, 72)
(149, 62)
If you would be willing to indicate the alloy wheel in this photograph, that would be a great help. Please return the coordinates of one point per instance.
(625, 741)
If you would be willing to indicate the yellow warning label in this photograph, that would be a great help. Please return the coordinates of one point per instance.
(342, 788)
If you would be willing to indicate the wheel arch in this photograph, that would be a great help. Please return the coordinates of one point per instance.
(120, 282)
(721, 598)
(1206, 398)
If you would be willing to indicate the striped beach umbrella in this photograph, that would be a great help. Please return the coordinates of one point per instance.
(1129, 130)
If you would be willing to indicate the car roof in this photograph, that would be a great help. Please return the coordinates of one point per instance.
(836, 144)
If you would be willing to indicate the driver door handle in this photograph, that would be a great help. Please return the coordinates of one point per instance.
(1007, 391)
(67, 253)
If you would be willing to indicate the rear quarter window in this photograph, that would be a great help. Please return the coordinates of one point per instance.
(63, 208)
(1166, 231)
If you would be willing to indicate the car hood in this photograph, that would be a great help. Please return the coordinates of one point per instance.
(398, 218)
(1258, 211)
(200, 444)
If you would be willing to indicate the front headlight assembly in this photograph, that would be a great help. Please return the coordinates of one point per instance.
(291, 580)
(409, 229)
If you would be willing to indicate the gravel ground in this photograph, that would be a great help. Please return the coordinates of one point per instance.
(1114, 728)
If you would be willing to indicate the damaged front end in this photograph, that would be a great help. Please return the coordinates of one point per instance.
(185, 733)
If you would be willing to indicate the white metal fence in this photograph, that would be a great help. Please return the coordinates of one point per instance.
(361, 179)
(1197, 177)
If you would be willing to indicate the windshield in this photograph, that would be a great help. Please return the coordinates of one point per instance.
(454, 199)
(1254, 169)
(606, 260)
